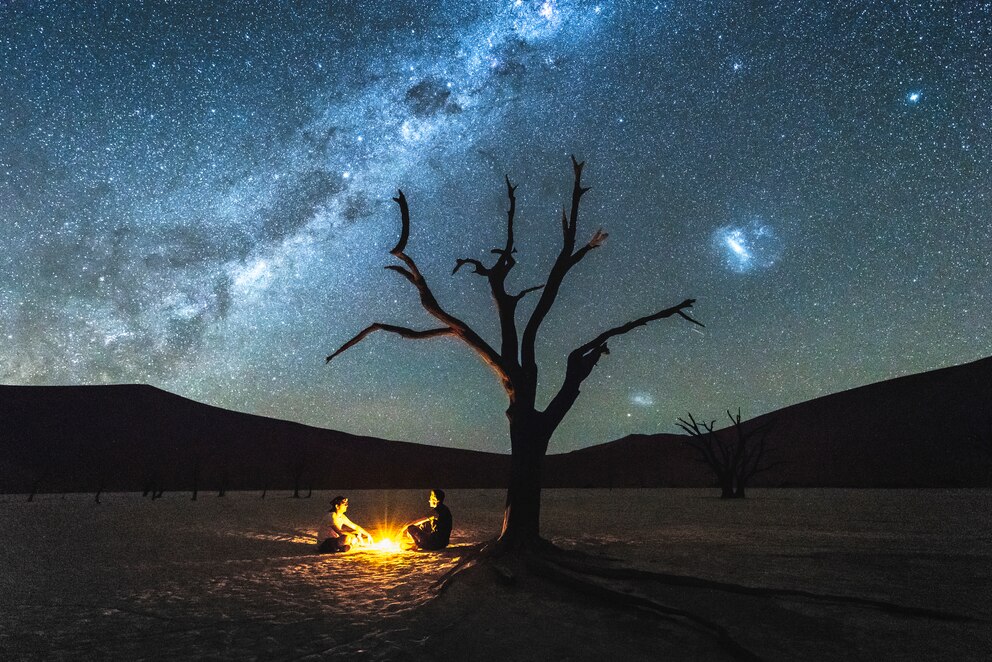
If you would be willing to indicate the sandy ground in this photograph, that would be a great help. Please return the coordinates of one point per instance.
(235, 578)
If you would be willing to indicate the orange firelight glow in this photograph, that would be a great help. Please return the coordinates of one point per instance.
(386, 546)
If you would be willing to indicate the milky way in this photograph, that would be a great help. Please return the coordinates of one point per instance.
(197, 196)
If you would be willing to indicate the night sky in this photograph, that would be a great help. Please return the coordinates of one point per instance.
(197, 196)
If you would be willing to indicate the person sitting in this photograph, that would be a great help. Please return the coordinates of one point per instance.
(434, 532)
(340, 532)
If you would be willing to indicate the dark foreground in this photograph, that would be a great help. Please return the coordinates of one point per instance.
(234, 578)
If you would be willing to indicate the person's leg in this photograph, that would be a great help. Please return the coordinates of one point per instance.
(431, 543)
(332, 546)
(417, 534)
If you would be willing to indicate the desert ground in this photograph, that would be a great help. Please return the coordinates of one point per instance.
(235, 578)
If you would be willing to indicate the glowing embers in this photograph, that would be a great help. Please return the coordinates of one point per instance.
(385, 546)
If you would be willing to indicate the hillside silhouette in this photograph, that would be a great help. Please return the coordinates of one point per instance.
(136, 437)
(932, 429)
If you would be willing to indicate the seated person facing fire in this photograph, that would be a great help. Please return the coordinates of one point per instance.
(434, 532)
(339, 532)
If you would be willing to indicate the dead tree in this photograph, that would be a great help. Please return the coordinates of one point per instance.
(734, 454)
(298, 468)
(514, 359)
(196, 475)
(981, 442)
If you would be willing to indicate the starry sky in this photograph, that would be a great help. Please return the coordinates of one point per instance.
(197, 196)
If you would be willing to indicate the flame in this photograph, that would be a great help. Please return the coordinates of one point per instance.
(386, 546)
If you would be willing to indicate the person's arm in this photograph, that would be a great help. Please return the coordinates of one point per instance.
(334, 528)
(357, 529)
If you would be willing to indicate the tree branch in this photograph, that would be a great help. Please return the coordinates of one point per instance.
(405, 227)
(703, 442)
(598, 239)
(398, 330)
(403, 272)
(583, 359)
(510, 213)
(630, 326)
(565, 261)
(480, 268)
(527, 291)
(453, 325)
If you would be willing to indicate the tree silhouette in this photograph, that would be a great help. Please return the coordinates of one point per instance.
(734, 454)
(298, 468)
(515, 362)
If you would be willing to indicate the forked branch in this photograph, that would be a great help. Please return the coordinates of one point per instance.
(506, 304)
(641, 321)
(583, 359)
(453, 325)
(567, 258)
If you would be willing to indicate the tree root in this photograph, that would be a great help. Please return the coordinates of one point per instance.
(561, 575)
(469, 557)
(579, 571)
(696, 582)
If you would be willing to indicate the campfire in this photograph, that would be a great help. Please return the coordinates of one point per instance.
(386, 546)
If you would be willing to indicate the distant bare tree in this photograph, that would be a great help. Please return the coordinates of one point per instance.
(514, 359)
(981, 440)
(197, 462)
(50, 433)
(101, 456)
(734, 454)
(262, 478)
(298, 468)
(37, 478)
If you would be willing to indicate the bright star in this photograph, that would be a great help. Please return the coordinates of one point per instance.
(914, 97)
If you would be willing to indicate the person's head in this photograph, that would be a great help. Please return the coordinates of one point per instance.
(339, 504)
(437, 496)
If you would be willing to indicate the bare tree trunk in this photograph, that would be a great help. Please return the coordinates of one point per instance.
(739, 488)
(298, 470)
(196, 477)
(522, 515)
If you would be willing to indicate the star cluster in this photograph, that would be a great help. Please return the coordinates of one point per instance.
(197, 196)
